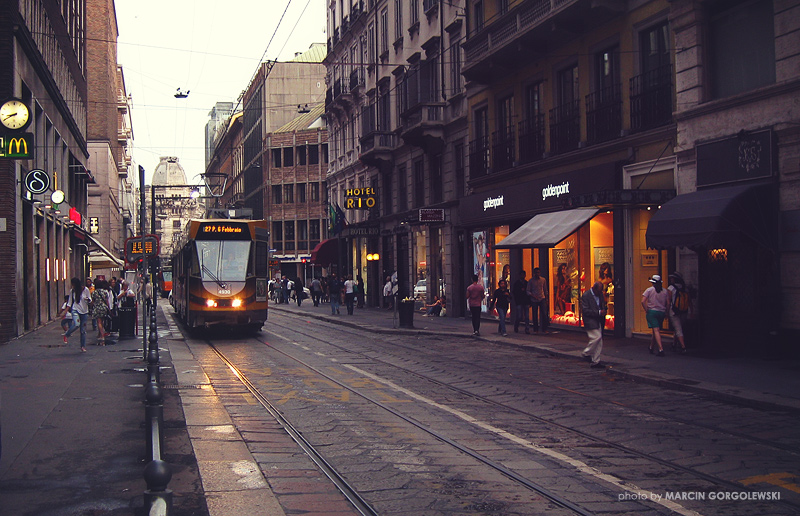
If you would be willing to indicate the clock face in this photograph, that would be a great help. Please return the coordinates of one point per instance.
(14, 114)
(57, 197)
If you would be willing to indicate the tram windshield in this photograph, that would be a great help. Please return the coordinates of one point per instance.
(223, 261)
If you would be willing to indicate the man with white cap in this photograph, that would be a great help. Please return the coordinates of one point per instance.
(655, 301)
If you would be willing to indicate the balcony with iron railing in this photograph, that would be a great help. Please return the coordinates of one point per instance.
(565, 127)
(479, 158)
(503, 149)
(502, 44)
(422, 114)
(604, 115)
(377, 142)
(356, 78)
(531, 138)
(651, 99)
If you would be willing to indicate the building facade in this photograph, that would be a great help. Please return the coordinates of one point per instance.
(296, 203)
(571, 149)
(734, 223)
(397, 120)
(40, 245)
(173, 202)
(110, 136)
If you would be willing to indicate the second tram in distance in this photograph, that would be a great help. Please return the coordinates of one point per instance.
(220, 273)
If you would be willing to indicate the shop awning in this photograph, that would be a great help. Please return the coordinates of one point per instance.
(101, 257)
(100, 261)
(547, 229)
(716, 218)
(326, 252)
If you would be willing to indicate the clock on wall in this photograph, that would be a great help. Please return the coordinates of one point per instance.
(14, 114)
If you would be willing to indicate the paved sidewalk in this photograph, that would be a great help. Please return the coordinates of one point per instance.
(756, 382)
(73, 438)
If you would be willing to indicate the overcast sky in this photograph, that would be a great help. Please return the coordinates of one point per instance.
(212, 50)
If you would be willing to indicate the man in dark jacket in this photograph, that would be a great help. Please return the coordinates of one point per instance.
(522, 302)
(298, 290)
(593, 312)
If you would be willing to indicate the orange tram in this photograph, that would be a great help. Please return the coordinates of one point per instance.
(220, 271)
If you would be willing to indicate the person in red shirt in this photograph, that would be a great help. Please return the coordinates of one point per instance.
(475, 296)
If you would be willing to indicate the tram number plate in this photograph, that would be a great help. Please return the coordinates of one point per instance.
(223, 291)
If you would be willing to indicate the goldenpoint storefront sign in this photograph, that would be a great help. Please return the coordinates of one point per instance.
(555, 191)
(523, 200)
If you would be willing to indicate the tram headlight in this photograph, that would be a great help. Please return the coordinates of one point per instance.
(211, 303)
(236, 303)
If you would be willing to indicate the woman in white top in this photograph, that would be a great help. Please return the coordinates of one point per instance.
(656, 301)
(79, 301)
(349, 294)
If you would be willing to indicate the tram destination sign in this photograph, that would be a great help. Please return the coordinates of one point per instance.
(217, 230)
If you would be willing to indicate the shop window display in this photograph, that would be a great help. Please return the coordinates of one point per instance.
(481, 266)
(577, 262)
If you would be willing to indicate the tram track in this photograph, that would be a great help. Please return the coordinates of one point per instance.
(669, 419)
(339, 480)
(712, 479)
(367, 357)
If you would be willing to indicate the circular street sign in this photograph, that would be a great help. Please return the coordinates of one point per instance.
(37, 181)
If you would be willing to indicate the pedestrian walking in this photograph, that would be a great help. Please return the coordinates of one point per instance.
(655, 301)
(349, 294)
(66, 316)
(100, 309)
(679, 308)
(316, 291)
(501, 299)
(521, 302)
(148, 295)
(90, 285)
(334, 293)
(537, 292)
(298, 290)
(475, 296)
(593, 312)
(360, 291)
(285, 290)
(79, 300)
(388, 300)
(324, 284)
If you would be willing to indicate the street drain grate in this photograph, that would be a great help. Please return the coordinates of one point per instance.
(178, 386)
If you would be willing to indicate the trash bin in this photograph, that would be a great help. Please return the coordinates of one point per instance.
(127, 322)
(406, 313)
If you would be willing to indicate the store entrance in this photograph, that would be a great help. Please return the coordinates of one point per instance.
(737, 302)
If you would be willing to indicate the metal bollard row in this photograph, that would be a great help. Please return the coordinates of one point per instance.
(157, 473)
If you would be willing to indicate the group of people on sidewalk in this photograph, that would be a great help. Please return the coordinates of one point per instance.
(526, 296)
(326, 289)
(657, 302)
(97, 301)
(530, 296)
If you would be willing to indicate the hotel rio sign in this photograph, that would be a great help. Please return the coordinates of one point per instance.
(360, 198)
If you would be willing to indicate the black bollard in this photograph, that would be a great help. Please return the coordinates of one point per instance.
(154, 412)
(157, 475)
(153, 369)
